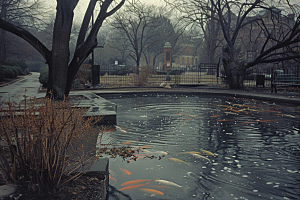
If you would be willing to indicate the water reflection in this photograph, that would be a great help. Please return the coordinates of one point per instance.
(256, 147)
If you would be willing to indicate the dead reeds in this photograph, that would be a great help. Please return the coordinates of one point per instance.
(46, 142)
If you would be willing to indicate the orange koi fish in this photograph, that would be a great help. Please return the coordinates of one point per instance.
(125, 171)
(207, 152)
(133, 186)
(128, 142)
(153, 192)
(135, 182)
(145, 146)
(270, 111)
(267, 120)
(112, 129)
(216, 116)
(111, 178)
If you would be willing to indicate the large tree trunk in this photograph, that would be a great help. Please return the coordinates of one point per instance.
(3, 13)
(58, 66)
(2, 46)
(234, 70)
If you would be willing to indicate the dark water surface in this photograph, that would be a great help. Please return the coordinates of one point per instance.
(255, 146)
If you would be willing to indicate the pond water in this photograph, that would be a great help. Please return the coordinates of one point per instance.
(211, 147)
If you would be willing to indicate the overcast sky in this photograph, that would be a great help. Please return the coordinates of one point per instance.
(82, 5)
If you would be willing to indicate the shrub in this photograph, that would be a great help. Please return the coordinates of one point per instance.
(76, 83)
(8, 72)
(18, 63)
(18, 70)
(46, 143)
(84, 74)
(43, 78)
(35, 66)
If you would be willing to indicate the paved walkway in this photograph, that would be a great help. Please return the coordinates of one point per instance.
(16, 90)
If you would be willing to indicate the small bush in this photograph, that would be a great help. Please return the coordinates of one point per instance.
(18, 70)
(35, 66)
(8, 72)
(76, 84)
(46, 143)
(43, 78)
(18, 63)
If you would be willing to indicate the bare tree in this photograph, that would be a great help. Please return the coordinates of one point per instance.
(195, 15)
(136, 23)
(23, 13)
(233, 17)
(62, 70)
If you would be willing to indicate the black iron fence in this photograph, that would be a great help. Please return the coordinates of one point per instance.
(124, 76)
(203, 74)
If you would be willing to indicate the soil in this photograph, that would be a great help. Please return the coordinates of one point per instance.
(88, 186)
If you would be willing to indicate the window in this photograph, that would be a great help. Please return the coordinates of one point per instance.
(183, 60)
(262, 34)
(168, 56)
(250, 56)
(188, 60)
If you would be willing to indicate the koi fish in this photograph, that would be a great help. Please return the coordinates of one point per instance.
(270, 111)
(225, 120)
(199, 156)
(160, 186)
(133, 186)
(111, 178)
(194, 116)
(159, 152)
(267, 120)
(216, 116)
(152, 191)
(112, 129)
(165, 182)
(134, 182)
(178, 160)
(248, 122)
(189, 152)
(207, 152)
(128, 142)
(145, 146)
(125, 171)
(188, 119)
(120, 129)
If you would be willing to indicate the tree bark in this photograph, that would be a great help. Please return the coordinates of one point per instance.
(3, 12)
(234, 70)
(58, 69)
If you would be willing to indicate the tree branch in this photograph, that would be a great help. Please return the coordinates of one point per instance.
(31, 39)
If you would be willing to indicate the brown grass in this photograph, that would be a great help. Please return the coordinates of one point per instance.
(45, 142)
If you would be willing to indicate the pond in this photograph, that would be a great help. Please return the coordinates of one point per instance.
(205, 147)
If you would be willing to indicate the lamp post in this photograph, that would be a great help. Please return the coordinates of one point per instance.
(167, 59)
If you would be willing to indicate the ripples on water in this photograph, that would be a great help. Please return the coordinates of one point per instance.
(256, 147)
